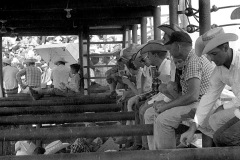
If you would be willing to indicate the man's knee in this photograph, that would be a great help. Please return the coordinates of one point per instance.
(149, 115)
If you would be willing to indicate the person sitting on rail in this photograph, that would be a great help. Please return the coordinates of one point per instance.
(32, 75)
(114, 75)
(10, 84)
(215, 44)
(70, 88)
(196, 71)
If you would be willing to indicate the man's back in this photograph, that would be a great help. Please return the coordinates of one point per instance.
(60, 74)
(9, 77)
(33, 76)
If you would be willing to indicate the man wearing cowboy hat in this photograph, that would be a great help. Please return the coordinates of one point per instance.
(10, 83)
(215, 44)
(61, 73)
(194, 81)
(32, 74)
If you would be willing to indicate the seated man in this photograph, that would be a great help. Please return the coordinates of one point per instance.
(194, 80)
(66, 89)
(215, 43)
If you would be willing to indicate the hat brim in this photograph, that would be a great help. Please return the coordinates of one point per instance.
(218, 40)
(56, 149)
(199, 46)
(30, 61)
(60, 61)
(166, 28)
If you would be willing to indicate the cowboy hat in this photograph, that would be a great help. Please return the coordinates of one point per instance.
(55, 147)
(7, 61)
(153, 45)
(24, 148)
(169, 30)
(211, 39)
(60, 59)
(31, 60)
(128, 52)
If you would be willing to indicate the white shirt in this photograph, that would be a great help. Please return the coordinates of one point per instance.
(220, 77)
(9, 77)
(164, 70)
(147, 73)
(60, 74)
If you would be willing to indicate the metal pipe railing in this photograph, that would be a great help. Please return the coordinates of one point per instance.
(75, 132)
(6, 111)
(66, 118)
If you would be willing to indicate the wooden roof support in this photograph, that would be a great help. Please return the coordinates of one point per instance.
(1, 71)
(134, 33)
(144, 30)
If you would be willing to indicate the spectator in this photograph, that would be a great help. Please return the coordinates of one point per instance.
(10, 84)
(32, 75)
(215, 44)
(195, 77)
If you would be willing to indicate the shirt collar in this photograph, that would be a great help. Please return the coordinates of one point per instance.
(188, 57)
(234, 57)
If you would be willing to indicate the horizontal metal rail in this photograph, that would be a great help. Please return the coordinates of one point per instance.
(6, 111)
(79, 101)
(66, 118)
(75, 132)
(215, 153)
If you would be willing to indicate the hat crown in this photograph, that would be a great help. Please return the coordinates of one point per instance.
(212, 34)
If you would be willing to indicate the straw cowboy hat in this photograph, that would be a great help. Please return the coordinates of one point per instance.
(153, 45)
(30, 60)
(55, 147)
(128, 52)
(7, 61)
(211, 39)
(24, 148)
(60, 59)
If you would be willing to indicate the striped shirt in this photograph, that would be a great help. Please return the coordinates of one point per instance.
(32, 74)
(196, 67)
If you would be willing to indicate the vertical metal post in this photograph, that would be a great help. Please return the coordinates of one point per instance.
(88, 63)
(134, 33)
(204, 16)
(156, 23)
(1, 71)
(80, 37)
(144, 30)
(129, 37)
(183, 17)
(124, 38)
(173, 16)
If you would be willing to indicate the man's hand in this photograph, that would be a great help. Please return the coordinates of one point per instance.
(188, 136)
(126, 80)
(158, 106)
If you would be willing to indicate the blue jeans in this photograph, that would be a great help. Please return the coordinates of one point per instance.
(228, 134)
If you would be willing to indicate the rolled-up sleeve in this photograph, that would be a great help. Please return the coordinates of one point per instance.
(209, 99)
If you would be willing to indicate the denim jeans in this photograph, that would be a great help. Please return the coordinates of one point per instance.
(228, 134)
(165, 125)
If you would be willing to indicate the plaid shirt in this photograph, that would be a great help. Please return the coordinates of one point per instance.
(196, 67)
(32, 74)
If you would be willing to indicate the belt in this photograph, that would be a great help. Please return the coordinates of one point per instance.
(33, 86)
(10, 89)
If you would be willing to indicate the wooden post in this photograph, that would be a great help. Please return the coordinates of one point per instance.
(173, 16)
(204, 16)
(134, 33)
(1, 71)
(156, 23)
(80, 37)
(144, 30)
(183, 17)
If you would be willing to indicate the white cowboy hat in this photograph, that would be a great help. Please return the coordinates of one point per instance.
(7, 61)
(55, 147)
(211, 39)
(31, 60)
(60, 59)
(24, 148)
(128, 52)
